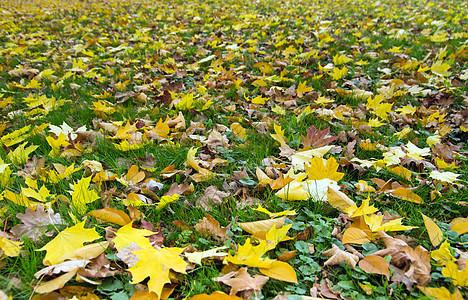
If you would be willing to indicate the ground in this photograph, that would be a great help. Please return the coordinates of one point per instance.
(233, 149)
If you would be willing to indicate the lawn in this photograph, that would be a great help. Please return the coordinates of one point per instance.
(233, 149)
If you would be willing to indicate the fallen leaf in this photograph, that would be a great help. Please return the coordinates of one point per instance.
(210, 226)
(215, 296)
(10, 248)
(211, 197)
(66, 266)
(443, 255)
(54, 284)
(374, 264)
(281, 271)
(441, 293)
(67, 241)
(241, 280)
(82, 195)
(35, 223)
(339, 200)
(435, 234)
(405, 194)
(337, 256)
(127, 235)
(459, 277)
(111, 215)
(162, 261)
(196, 257)
(263, 225)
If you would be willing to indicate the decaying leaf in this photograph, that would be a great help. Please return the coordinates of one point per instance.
(375, 265)
(241, 281)
(210, 226)
(337, 256)
(35, 223)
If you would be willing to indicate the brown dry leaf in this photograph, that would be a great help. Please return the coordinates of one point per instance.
(66, 266)
(127, 256)
(243, 282)
(461, 261)
(374, 264)
(216, 140)
(35, 223)
(414, 264)
(99, 267)
(287, 255)
(157, 238)
(420, 269)
(211, 197)
(179, 189)
(384, 186)
(338, 256)
(325, 290)
(209, 226)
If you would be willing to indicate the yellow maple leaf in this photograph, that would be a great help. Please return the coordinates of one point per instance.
(320, 168)
(156, 264)
(126, 146)
(338, 73)
(82, 195)
(415, 152)
(67, 241)
(279, 135)
(21, 199)
(340, 59)
(127, 235)
(375, 224)
(10, 248)
(166, 200)
(440, 68)
(125, 132)
(441, 293)
(103, 109)
(276, 235)
(274, 215)
(21, 154)
(42, 194)
(185, 102)
(301, 89)
(459, 278)
(406, 110)
(443, 255)
(238, 130)
(364, 209)
(278, 109)
(161, 129)
(61, 141)
(446, 177)
(61, 172)
(250, 255)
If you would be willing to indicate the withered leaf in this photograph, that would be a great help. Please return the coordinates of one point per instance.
(211, 227)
